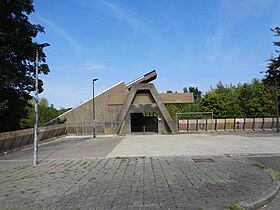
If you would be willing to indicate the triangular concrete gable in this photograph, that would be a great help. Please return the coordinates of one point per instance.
(132, 93)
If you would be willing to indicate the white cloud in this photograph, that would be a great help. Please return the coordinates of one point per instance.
(134, 21)
(216, 37)
(62, 32)
(123, 15)
(94, 66)
(244, 9)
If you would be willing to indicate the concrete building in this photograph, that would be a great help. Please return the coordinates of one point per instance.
(126, 108)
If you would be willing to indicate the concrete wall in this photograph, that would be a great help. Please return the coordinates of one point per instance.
(237, 124)
(21, 138)
(173, 98)
(107, 107)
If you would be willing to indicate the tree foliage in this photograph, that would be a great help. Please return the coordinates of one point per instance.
(273, 68)
(46, 112)
(232, 101)
(17, 56)
(196, 92)
(255, 100)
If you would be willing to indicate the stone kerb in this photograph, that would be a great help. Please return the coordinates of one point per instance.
(17, 139)
(258, 125)
(220, 125)
(46, 132)
(229, 124)
(201, 125)
(274, 126)
(52, 131)
(267, 123)
(239, 124)
(14, 139)
(183, 126)
(28, 137)
(8, 141)
(71, 128)
(2, 140)
(249, 124)
(210, 125)
(192, 126)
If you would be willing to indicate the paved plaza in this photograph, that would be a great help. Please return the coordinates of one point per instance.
(199, 171)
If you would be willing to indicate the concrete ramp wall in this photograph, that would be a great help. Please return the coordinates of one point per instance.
(233, 124)
(239, 124)
(21, 138)
(210, 125)
(220, 124)
(201, 125)
(274, 125)
(249, 124)
(268, 123)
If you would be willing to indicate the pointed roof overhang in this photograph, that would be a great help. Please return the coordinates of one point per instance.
(146, 78)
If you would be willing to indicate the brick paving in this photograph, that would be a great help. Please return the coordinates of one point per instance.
(272, 162)
(130, 183)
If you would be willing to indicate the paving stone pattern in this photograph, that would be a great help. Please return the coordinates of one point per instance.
(130, 183)
(272, 162)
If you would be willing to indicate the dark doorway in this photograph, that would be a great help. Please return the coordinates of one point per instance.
(144, 122)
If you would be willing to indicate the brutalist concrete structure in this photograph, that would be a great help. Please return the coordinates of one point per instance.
(127, 108)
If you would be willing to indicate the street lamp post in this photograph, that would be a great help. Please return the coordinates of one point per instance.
(35, 159)
(93, 109)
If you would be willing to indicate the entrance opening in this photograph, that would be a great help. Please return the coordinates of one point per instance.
(144, 122)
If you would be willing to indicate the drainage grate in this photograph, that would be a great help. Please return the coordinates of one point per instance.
(203, 160)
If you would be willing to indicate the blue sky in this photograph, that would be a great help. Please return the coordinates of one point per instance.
(189, 43)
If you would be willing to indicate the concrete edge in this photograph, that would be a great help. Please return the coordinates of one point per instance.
(267, 196)
(32, 144)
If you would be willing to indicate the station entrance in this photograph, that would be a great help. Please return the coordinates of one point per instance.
(144, 122)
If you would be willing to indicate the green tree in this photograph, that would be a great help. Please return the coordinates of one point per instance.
(244, 100)
(46, 113)
(222, 101)
(272, 77)
(17, 56)
(197, 94)
(214, 102)
(255, 100)
(273, 68)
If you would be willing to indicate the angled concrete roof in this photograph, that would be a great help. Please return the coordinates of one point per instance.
(146, 78)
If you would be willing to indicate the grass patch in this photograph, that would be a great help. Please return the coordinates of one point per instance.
(137, 180)
(236, 206)
(169, 179)
(275, 174)
(216, 177)
(84, 164)
(261, 166)
(124, 159)
(52, 173)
